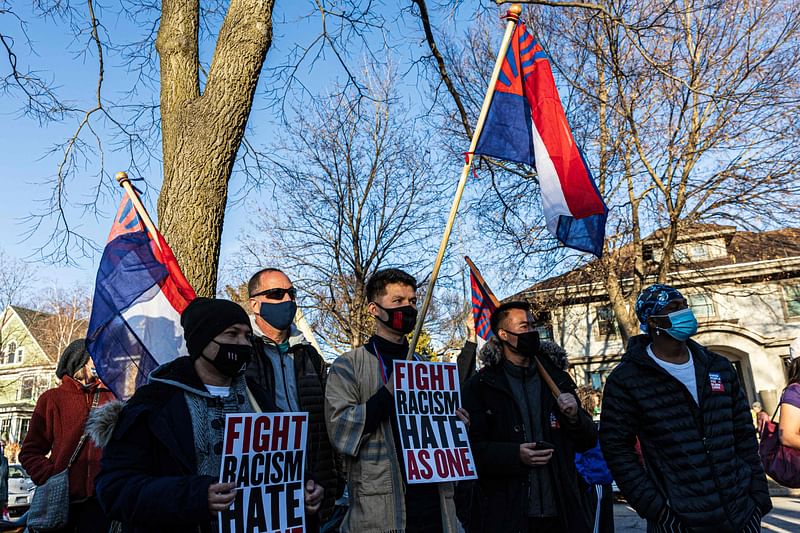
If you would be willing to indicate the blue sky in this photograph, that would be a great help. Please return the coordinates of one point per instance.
(25, 145)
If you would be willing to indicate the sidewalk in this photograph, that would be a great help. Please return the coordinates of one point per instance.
(784, 517)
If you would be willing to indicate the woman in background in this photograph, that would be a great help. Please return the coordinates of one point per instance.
(790, 406)
(57, 424)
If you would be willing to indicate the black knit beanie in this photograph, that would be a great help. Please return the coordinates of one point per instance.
(205, 318)
(73, 358)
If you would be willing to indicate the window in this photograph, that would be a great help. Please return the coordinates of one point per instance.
(791, 294)
(605, 321)
(702, 305)
(23, 428)
(19, 354)
(543, 323)
(597, 380)
(698, 251)
(5, 427)
(545, 332)
(11, 352)
(26, 390)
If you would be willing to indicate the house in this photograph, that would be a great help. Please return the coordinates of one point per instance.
(744, 288)
(26, 369)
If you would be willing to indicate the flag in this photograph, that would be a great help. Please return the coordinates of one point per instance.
(482, 306)
(139, 295)
(526, 124)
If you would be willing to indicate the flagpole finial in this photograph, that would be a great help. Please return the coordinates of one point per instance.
(514, 12)
(122, 177)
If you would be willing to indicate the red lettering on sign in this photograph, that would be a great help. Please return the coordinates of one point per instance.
(400, 375)
(298, 432)
(425, 376)
(261, 434)
(440, 459)
(454, 465)
(420, 377)
(280, 434)
(233, 421)
(425, 471)
(451, 375)
(468, 469)
(411, 464)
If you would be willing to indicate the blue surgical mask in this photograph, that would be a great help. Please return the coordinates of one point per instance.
(280, 316)
(684, 324)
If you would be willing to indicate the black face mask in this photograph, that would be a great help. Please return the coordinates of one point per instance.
(230, 358)
(402, 319)
(527, 343)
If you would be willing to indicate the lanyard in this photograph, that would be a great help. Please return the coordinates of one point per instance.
(381, 363)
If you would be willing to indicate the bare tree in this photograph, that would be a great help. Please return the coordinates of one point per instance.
(64, 318)
(357, 191)
(685, 112)
(202, 120)
(16, 278)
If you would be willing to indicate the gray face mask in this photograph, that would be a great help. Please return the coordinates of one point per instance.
(280, 316)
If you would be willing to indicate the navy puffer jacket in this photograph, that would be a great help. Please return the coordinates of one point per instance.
(700, 461)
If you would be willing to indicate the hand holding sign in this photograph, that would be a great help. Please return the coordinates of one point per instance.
(463, 415)
(431, 422)
(314, 495)
(220, 496)
(263, 458)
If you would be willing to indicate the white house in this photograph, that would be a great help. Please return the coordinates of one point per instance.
(26, 369)
(744, 288)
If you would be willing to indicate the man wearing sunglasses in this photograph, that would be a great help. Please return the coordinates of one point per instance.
(288, 366)
(686, 407)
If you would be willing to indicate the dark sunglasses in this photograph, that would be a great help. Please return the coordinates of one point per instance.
(277, 293)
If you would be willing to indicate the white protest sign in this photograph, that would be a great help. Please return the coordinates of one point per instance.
(434, 440)
(264, 454)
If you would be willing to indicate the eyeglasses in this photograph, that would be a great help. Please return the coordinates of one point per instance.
(277, 293)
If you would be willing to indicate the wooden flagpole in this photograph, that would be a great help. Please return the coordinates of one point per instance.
(125, 182)
(513, 17)
(544, 373)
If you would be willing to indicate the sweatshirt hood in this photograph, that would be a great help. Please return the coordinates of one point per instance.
(180, 373)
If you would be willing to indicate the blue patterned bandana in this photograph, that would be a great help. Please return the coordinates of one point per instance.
(652, 300)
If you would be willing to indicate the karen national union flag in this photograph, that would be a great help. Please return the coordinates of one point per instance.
(139, 295)
(526, 124)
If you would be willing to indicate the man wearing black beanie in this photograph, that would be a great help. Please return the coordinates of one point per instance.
(160, 469)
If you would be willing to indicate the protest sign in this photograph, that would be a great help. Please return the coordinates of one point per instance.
(434, 440)
(264, 454)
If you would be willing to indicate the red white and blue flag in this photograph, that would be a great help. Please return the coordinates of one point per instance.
(482, 306)
(526, 124)
(139, 296)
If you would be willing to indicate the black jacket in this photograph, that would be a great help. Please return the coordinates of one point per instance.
(310, 372)
(496, 431)
(148, 476)
(702, 461)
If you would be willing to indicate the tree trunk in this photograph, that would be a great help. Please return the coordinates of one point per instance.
(202, 132)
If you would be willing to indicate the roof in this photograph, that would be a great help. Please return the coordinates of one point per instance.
(741, 247)
(33, 321)
(29, 317)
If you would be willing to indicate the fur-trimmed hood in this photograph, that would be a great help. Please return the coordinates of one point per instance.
(102, 421)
